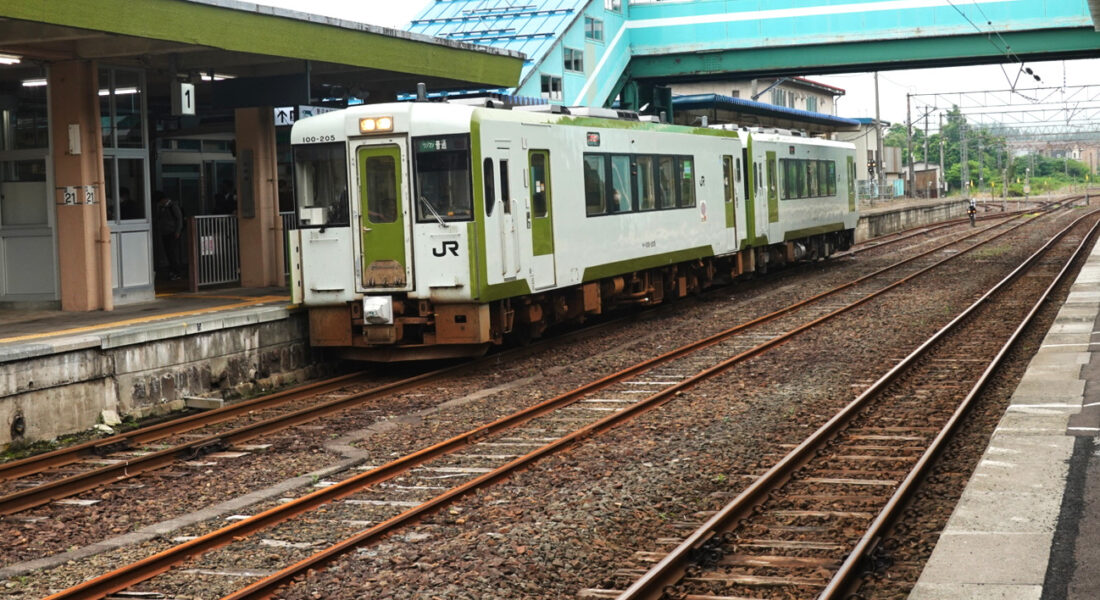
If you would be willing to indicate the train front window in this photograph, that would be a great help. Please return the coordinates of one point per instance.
(321, 185)
(443, 190)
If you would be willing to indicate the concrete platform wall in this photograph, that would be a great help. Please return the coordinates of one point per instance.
(150, 371)
(875, 222)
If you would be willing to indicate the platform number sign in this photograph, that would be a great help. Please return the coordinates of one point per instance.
(183, 99)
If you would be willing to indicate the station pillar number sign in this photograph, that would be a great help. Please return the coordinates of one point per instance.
(183, 99)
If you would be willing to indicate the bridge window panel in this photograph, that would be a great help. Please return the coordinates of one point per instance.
(727, 177)
(666, 182)
(487, 179)
(321, 184)
(643, 178)
(381, 175)
(551, 87)
(830, 176)
(593, 29)
(540, 190)
(442, 165)
(686, 172)
(574, 60)
(595, 185)
(622, 196)
(613, 5)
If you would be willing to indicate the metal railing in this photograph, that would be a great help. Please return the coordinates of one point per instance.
(214, 250)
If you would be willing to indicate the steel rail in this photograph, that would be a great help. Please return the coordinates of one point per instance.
(671, 568)
(64, 456)
(28, 498)
(148, 567)
(266, 587)
(844, 577)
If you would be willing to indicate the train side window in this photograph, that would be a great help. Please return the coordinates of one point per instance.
(381, 189)
(622, 198)
(739, 170)
(830, 176)
(811, 178)
(505, 195)
(540, 189)
(490, 193)
(686, 171)
(643, 178)
(595, 185)
(727, 177)
(666, 182)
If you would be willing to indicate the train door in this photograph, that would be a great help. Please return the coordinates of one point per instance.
(729, 188)
(383, 231)
(508, 232)
(750, 198)
(761, 202)
(773, 188)
(540, 218)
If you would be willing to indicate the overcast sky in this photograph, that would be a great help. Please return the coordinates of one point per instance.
(859, 101)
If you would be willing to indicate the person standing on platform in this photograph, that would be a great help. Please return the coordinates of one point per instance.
(169, 227)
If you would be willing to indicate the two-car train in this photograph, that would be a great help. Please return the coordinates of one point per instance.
(432, 230)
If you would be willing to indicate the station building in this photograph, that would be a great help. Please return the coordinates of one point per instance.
(105, 102)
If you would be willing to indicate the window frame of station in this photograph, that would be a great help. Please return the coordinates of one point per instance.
(635, 199)
(572, 60)
(830, 174)
(593, 29)
(548, 92)
(615, 6)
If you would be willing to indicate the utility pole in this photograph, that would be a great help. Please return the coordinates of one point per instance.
(910, 181)
(981, 165)
(943, 174)
(965, 167)
(925, 161)
(878, 144)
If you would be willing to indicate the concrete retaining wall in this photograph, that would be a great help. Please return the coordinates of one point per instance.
(876, 222)
(149, 371)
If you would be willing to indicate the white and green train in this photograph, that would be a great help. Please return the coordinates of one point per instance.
(434, 230)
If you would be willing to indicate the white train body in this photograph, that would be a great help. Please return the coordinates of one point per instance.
(432, 230)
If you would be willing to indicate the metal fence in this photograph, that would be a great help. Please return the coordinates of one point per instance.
(214, 250)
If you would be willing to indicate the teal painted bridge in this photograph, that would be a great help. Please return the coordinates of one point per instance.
(669, 41)
(588, 52)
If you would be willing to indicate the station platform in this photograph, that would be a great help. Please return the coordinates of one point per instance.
(30, 333)
(65, 372)
(1027, 523)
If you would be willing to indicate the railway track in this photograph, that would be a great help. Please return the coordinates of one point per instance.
(808, 526)
(423, 482)
(69, 471)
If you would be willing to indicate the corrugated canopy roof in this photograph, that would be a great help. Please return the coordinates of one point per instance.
(727, 109)
(528, 26)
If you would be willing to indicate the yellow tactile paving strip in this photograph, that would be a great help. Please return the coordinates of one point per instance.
(246, 301)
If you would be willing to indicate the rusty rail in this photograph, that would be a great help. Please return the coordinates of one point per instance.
(672, 567)
(163, 561)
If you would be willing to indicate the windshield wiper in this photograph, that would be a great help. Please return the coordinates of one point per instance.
(432, 210)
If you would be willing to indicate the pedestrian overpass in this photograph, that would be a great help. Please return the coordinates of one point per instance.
(595, 50)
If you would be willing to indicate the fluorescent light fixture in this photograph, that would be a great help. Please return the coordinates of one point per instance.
(34, 82)
(217, 76)
(10, 59)
(123, 91)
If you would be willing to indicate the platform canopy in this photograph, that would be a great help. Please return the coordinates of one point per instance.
(176, 39)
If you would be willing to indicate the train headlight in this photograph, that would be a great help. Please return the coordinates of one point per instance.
(375, 124)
